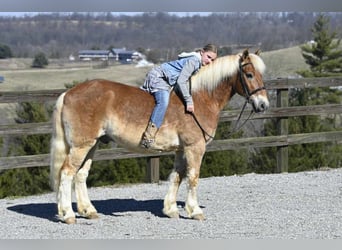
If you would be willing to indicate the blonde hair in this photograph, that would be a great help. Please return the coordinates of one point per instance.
(210, 47)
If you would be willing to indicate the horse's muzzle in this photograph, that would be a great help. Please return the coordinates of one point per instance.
(259, 103)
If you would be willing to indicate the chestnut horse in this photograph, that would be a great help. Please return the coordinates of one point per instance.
(101, 109)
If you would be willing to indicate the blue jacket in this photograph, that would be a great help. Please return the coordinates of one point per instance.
(180, 71)
(166, 75)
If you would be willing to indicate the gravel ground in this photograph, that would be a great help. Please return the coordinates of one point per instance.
(306, 205)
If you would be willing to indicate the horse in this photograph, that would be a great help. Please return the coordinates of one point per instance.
(102, 110)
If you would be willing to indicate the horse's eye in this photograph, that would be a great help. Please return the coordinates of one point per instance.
(249, 75)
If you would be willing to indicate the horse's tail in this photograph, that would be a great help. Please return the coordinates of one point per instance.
(59, 146)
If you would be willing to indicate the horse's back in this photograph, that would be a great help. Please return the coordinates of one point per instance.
(101, 107)
(98, 87)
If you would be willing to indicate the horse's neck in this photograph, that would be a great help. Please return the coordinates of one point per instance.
(214, 101)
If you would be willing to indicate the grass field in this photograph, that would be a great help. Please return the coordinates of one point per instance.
(56, 78)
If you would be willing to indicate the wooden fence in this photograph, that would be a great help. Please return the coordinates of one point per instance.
(281, 112)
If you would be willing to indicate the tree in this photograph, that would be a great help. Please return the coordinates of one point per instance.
(324, 59)
(5, 51)
(28, 181)
(322, 55)
(304, 157)
(40, 61)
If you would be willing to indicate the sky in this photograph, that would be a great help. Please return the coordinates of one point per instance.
(169, 5)
(18, 14)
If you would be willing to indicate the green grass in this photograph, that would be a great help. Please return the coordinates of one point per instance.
(56, 78)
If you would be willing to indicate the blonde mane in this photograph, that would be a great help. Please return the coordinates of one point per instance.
(224, 67)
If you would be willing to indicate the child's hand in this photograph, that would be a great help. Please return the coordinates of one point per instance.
(190, 108)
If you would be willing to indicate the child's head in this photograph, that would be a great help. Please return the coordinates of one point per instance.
(208, 54)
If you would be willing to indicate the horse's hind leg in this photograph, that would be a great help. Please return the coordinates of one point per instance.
(84, 206)
(170, 201)
(70, 166)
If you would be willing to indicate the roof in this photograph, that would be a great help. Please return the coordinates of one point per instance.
(93, 52)
(118, 50)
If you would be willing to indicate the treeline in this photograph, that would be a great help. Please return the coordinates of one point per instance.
(59, 35)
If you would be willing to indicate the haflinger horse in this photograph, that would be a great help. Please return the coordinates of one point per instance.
(101, 109)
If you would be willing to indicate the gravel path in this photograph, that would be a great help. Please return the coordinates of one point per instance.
(304, 205)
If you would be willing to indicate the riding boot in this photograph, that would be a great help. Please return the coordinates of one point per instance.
(149, 135)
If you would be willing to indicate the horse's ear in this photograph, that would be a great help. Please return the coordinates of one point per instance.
(245, 54)
(257, 52)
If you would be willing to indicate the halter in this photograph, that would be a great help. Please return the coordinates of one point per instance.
(244, 85)
(248, 95)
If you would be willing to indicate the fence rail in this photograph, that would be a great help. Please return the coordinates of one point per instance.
(281, 112)
(46, 127)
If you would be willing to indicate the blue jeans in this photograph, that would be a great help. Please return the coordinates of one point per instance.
(161, 98)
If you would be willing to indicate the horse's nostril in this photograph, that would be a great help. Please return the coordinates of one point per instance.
(262, 106)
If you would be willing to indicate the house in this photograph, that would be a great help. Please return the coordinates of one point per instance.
(118, 54)
(88, 55)
(122, 55)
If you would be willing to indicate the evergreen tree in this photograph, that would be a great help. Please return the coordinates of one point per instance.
(325, 59)
(40, 61)
(310, 156)
(5, 51)
(27, 181)
(324, 56)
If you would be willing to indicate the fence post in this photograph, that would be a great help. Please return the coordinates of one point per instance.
(282, 129)
(152, 172)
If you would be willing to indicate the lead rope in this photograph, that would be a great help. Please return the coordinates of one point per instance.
(235, 129)
(205, 133)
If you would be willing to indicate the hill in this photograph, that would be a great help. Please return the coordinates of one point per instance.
(283, 63)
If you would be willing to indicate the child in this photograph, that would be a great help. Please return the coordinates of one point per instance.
(160, 80)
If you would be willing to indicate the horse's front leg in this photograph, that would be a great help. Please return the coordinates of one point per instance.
(194, 157)
(170, 201)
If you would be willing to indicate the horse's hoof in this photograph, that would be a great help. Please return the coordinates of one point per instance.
(174, 214)
(71, 220)
(93, 216)
(199, 217)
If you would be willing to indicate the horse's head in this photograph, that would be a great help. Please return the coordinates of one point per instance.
(250, 83)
